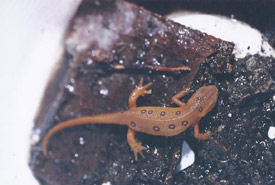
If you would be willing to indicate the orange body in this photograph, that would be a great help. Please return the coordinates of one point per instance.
(162, 121)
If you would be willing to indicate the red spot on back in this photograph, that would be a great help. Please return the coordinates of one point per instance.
(200, 109)
(184, 123)
(172, 126)
(156, 128)
(163, 113)
(133, 124)
(143, 111)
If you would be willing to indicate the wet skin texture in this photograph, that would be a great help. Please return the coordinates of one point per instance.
(162, 121)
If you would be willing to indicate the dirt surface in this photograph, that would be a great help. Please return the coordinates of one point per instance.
(108, 48)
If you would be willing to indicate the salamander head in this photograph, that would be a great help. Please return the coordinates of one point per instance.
(204, 100)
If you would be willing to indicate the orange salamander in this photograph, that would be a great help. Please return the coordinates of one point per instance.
(162, 121)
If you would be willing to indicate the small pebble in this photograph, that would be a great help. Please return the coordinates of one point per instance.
(104, 92)
(106, 183)
(81, 141)
(271, 132)
(187, 157)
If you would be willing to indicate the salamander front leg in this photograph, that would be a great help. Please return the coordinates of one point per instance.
(137, 92)
(136, 146)
(198, 135)
(176, 98)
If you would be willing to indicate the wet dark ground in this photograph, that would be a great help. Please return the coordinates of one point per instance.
(108, 47)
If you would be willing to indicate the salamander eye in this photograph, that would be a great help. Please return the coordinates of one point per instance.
(199, 99)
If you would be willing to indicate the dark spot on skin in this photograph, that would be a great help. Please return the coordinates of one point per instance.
(150, 112)
(163, 113)
(184, 123)
(156, 128)
(172, 126)
(143, 111)
(198, 98)
(200, 109)
(178, 113)
(133, 124)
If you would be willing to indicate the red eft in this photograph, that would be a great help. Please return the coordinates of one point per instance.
(162, 121)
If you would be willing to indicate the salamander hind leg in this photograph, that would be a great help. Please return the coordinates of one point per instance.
(136, 146)
(137, 92)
